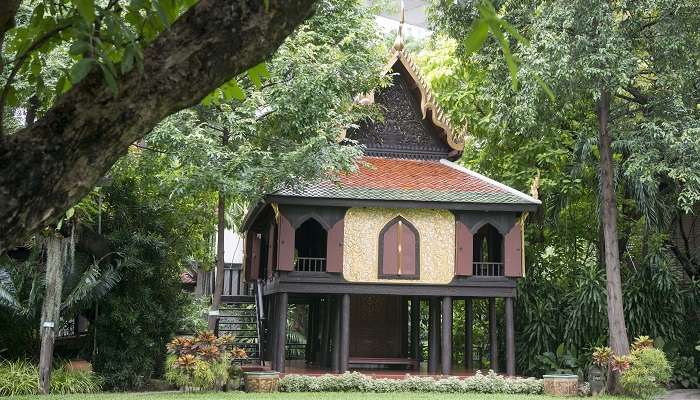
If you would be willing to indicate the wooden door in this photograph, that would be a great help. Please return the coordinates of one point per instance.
(376, 325)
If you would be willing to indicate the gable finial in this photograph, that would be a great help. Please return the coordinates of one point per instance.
(399, 43)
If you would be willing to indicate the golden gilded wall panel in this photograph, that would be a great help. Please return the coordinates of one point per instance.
(437, 243)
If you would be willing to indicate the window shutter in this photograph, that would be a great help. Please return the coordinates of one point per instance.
(513, 252)
(399, 253)
(285, 247)
(334, 248)
(464, 249)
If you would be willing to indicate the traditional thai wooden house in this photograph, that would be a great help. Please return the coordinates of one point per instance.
(410, 225)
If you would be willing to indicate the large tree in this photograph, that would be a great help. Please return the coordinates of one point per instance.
(51, 164)
(625, 78)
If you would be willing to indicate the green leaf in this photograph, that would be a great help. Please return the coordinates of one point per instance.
(257, 73)
(542, 84)
(163, 10)
(11, 98)
(79, 47)
(81, 69)
(477, 36)
(70, 213)
(231, 90)
(86, 9)
(110, 79)
(505, 47)
(127, 63)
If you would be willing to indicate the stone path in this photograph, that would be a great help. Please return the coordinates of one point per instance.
(686, 394)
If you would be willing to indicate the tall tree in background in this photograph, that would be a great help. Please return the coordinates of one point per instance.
(625, 80)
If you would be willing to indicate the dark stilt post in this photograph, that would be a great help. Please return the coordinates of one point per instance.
(335, 356)
(433, 323)
(344, 332)
(272, 345)
(309, 348)
(468, 334)
(404, 327)
(415, 328)
(281, 330)
(446, 335)
(493, 326)
(325, 333)
(510, 338)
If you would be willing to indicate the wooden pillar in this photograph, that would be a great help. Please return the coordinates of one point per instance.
(325, 333)
(415, 328)
(468, 334)
(335, 356)
(282, 304)
(344, 332)
(433, 321)
(404, 327)
(493, 334)
(51, 308)
(446, 335)
(510, 337)
(309, 348)
(272, 339)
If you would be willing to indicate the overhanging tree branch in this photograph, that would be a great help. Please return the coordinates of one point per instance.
(49, 166)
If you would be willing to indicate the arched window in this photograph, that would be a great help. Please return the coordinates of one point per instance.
(488, 251)
(399, 250)
(310, 247)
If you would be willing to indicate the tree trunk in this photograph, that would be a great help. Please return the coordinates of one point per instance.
(51, 165)
(219, 281)
(616, 318)
(55, 260)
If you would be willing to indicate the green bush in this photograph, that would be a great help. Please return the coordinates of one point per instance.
(19, 378)
(649, 370)
(357, 382)
(66, 381)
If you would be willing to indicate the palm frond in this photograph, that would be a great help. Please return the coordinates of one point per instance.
(8, 293)
(92, 285)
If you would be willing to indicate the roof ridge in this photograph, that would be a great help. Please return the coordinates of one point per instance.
(490, 181)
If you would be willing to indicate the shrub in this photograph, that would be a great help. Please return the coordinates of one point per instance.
(648, 370)
(685, 373)
(67, 381)
(200, 362)
(19, 378)
(357, 382)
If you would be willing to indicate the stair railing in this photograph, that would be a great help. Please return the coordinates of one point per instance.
(260, 313)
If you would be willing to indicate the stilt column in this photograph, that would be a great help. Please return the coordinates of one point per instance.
(510, 337)
(344, 332)
(433, 323)
(493, 334)
(335, 358)
(468, 334)
(415, 328)
(281, 331)
(446, 335)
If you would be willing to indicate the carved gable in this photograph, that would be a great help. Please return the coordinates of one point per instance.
(403, 132)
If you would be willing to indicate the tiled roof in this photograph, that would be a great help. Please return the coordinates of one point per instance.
(379, 178)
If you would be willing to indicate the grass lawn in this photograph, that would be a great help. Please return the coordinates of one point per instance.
(303, 396)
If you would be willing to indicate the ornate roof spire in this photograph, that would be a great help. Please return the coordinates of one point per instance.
(399, 43)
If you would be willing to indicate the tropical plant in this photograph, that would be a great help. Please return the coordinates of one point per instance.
(200, 362)
(562, 361)
(18, 378)
(647, 374)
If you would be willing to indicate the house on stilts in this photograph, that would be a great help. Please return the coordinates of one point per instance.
(362, 252)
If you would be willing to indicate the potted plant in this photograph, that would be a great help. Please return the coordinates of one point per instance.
(561, 380)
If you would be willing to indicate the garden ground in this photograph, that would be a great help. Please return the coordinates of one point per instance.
(302, 396)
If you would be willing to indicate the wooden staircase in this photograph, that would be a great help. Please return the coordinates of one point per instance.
(240, 317)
